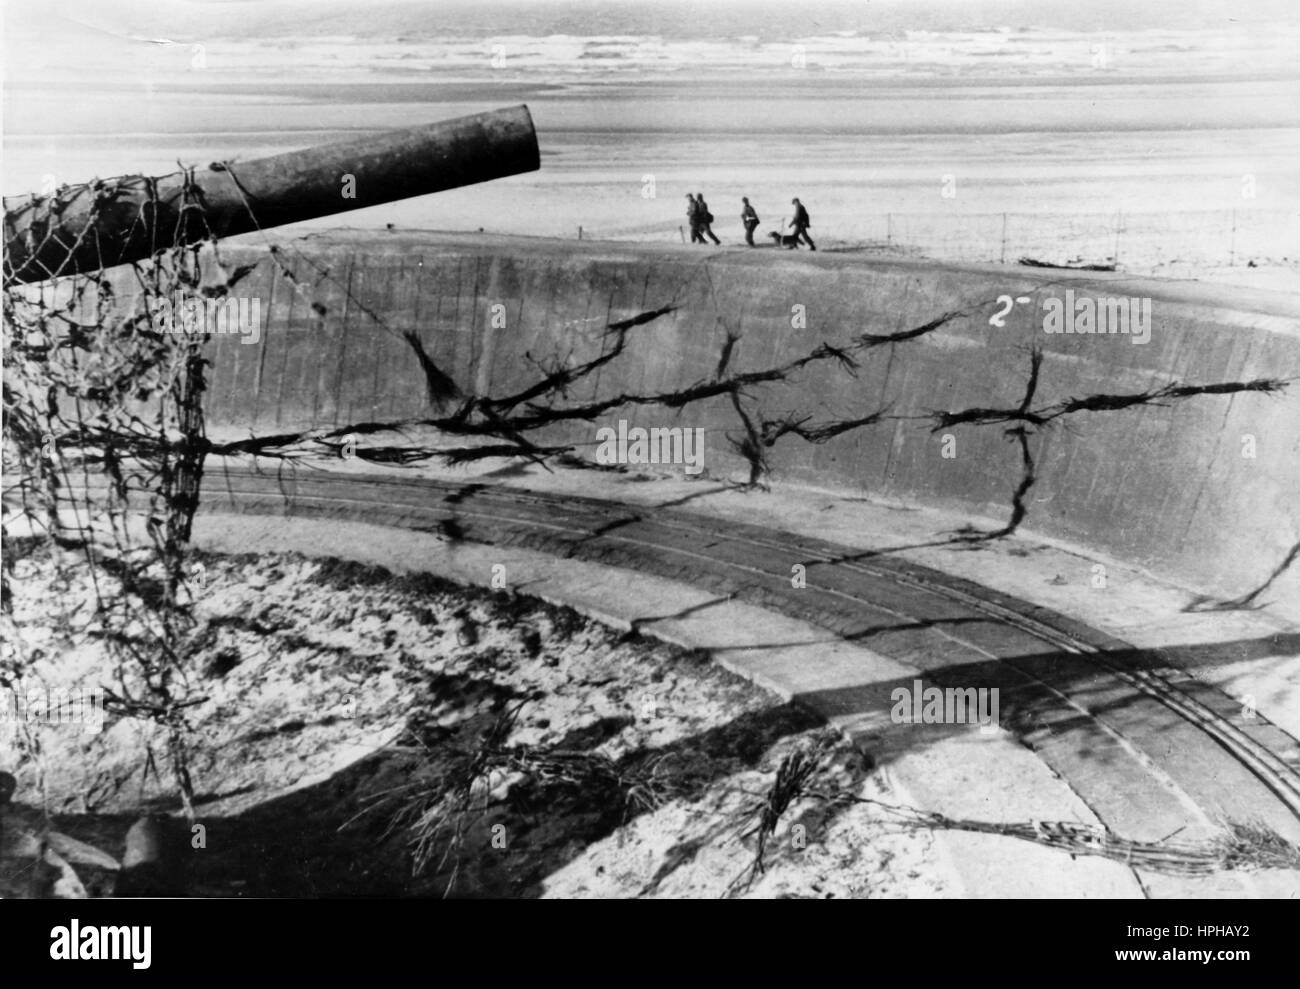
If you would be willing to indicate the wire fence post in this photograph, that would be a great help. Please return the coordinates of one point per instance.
(580, 232)
(1003, 256)
(1232, 248)
(889, 229)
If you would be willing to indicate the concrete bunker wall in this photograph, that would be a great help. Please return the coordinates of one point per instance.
(1165, 487)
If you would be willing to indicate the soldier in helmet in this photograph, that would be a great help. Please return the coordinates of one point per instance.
(706, 219)
(693, 217)
(749, 217)
(801, 223)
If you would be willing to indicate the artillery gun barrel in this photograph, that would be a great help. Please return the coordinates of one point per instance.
(99, 224)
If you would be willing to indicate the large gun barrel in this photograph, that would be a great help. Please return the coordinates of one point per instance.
(84, 228)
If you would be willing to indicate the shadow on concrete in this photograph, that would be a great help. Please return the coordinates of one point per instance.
(1055, 694)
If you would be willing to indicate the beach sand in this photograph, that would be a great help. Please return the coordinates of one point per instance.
(1166, 150)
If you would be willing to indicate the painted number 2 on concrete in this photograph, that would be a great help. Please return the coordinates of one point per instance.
(998, 318)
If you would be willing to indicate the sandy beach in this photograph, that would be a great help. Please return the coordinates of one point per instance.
(1166, 149)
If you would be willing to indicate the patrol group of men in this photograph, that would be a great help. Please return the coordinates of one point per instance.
(701, 220)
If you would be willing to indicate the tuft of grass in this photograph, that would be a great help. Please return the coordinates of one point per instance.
(440, 814)
(1250, 845)
(789, 785)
